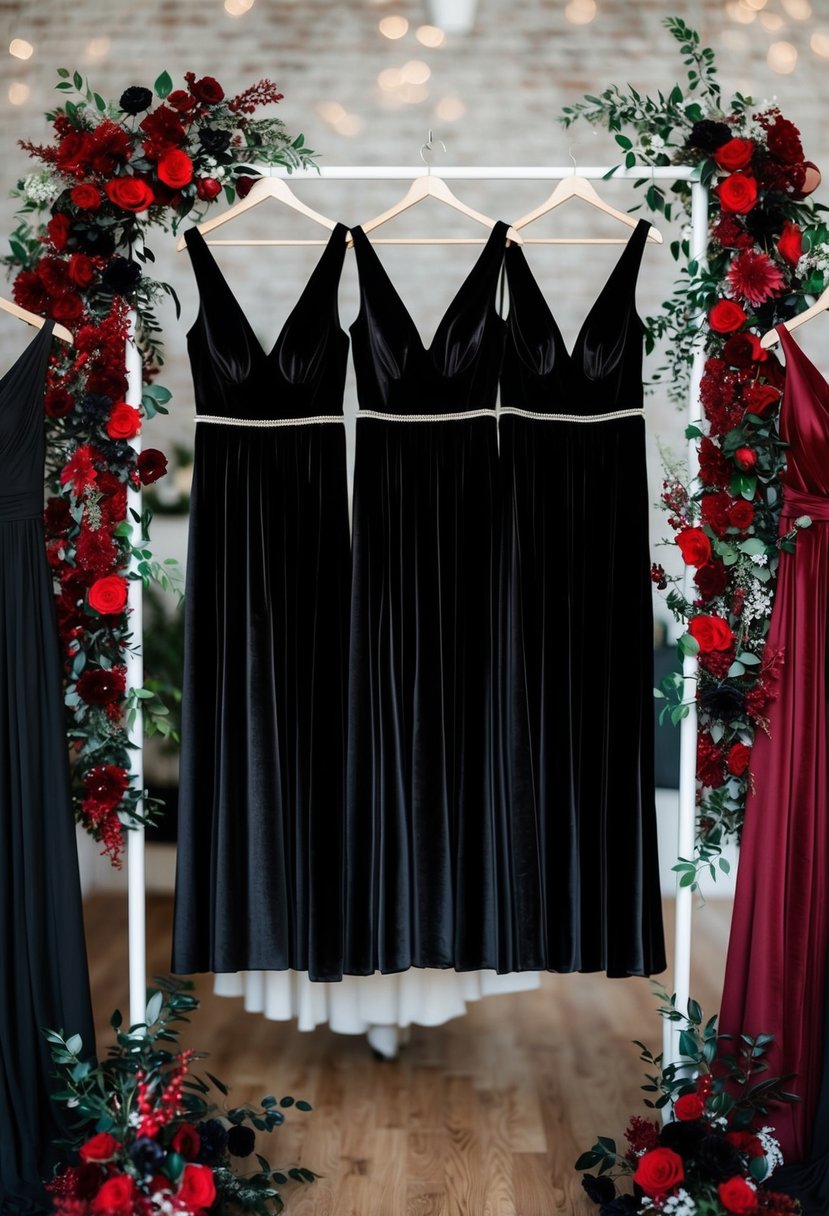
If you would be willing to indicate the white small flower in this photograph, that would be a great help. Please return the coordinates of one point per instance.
(771, 1148)
(760, 559)
(42, 187)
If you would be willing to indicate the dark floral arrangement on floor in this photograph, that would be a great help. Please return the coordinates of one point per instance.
(716, 1155)
(148, 1137)
(79, 255)
(768, 256)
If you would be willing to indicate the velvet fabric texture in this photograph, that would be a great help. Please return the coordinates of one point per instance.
(576, 635)
(259, 873)
(425, 834)
(776, 972)
(43, 971)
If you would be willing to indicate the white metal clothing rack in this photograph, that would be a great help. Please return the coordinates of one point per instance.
(688, 737)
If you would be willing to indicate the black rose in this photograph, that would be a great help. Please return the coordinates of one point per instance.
(723, 702)
(241, 1141)
(93, 240)
(121, 276)
(765, 221)
(135, 99)
(622, 1205)
(683, 1137)
(213, 1137)
(770, 314)
(600, 1190)
(146, 1155)
(708, 136)
(717, 1159)
(214, 141)
(96, 406)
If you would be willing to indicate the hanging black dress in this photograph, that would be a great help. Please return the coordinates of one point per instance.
(43, 972)
(424, 835)
(577, 633)
(259, 871)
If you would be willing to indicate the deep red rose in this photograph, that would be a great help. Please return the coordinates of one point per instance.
(66, 307)
(689, 1106)
(124, 421)
(244, 185)
(81, 270)
(711, 633)
(175, 169)
(57, 517)
(181, 101)
(710, 770)
(58, 402)
(152, 464)
(54, 274)
(790, 245)
(714, 512)
(713, 466)
(107, 382)
(737, 193)
(743, 349)
(186, 1142)
(88, 1178)
(711, 579)
(745, 459)
(783, 141)
(108, 595)
(86, 196)
(29, 291)
(115, 1197)
(102, 1147)
(197, 1190)
(108, 147)
(98, 686)
(745, 1142)
(129, 193)
(741, 514)
(737, 1196)
(731, 233)
(207, 90)
(737, 763)
(735, 154)
(73, 152)
(659, 1172)
(207, 188)
(107, 784)
(726, 317)
(58, 229)
(760, 399)
(163, 130)
(694, 546)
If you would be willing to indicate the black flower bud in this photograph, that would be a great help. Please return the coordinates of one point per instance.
(135, 99)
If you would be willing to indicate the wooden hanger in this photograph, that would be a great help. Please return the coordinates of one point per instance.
(33, 318)
(263, 188)
(580, 187)
(820, 305)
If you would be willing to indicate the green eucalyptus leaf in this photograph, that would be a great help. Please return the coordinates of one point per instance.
(163, 85)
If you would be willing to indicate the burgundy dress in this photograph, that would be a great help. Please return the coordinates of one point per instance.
(777, 954)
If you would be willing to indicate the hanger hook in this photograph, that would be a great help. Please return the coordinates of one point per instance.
(572, 158)
(428, 147)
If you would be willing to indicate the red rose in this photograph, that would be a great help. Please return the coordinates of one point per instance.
(745, 458)
(659, 1172)
(57, 517)
(152, 464)
(711, 633)
(98, 686)
(108, 595)
(58, 402)
(726, 317)
(107, 382)
(54, 274)
(129, 193)
(186, 1141)
(81, 270)
(689, 1106)
(58, 229)
(163, 130)
(175, 168)
(86, 196)
(745, 1142)
(207, 188)
(790, 245)
(783, 141)
(741, 514)
(711, 579)
(737, 1196)
(694, 546)
(102, 1147)
(714, 512)
(181, 101)
(760, 398)
(735, 154)
(109, 147)
(73, 151)
(207, 90)
(741, 350)
(107, 784)
(66, 307)
(197, 1190)
(737, 193)
(29, 292)
(115, 1196)
(124, 421)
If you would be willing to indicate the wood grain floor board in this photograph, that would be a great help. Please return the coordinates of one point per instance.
(481, 1117)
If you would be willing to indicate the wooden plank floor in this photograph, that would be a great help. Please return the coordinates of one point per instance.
(481, 1117)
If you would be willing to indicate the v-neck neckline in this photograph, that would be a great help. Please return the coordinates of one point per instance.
(267, 355)
(48, 325)
(788, 343)
(427, 350)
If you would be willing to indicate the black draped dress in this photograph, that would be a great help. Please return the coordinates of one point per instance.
(43, 973)
(577, 633)
(425, 838)
(259, 871)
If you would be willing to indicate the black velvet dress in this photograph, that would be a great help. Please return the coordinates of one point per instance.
(425, 838)
(577, 634)
(43, 972)
(259, 872)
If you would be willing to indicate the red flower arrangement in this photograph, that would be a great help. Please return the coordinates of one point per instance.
(111, 173)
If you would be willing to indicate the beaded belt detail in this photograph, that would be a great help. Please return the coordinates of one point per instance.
(511, 409)
(315, 421)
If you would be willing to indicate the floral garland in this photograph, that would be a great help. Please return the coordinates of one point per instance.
(768, 254)
(147, 1137)
(79, 255)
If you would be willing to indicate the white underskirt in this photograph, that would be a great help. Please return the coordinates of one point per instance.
(428, 997)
